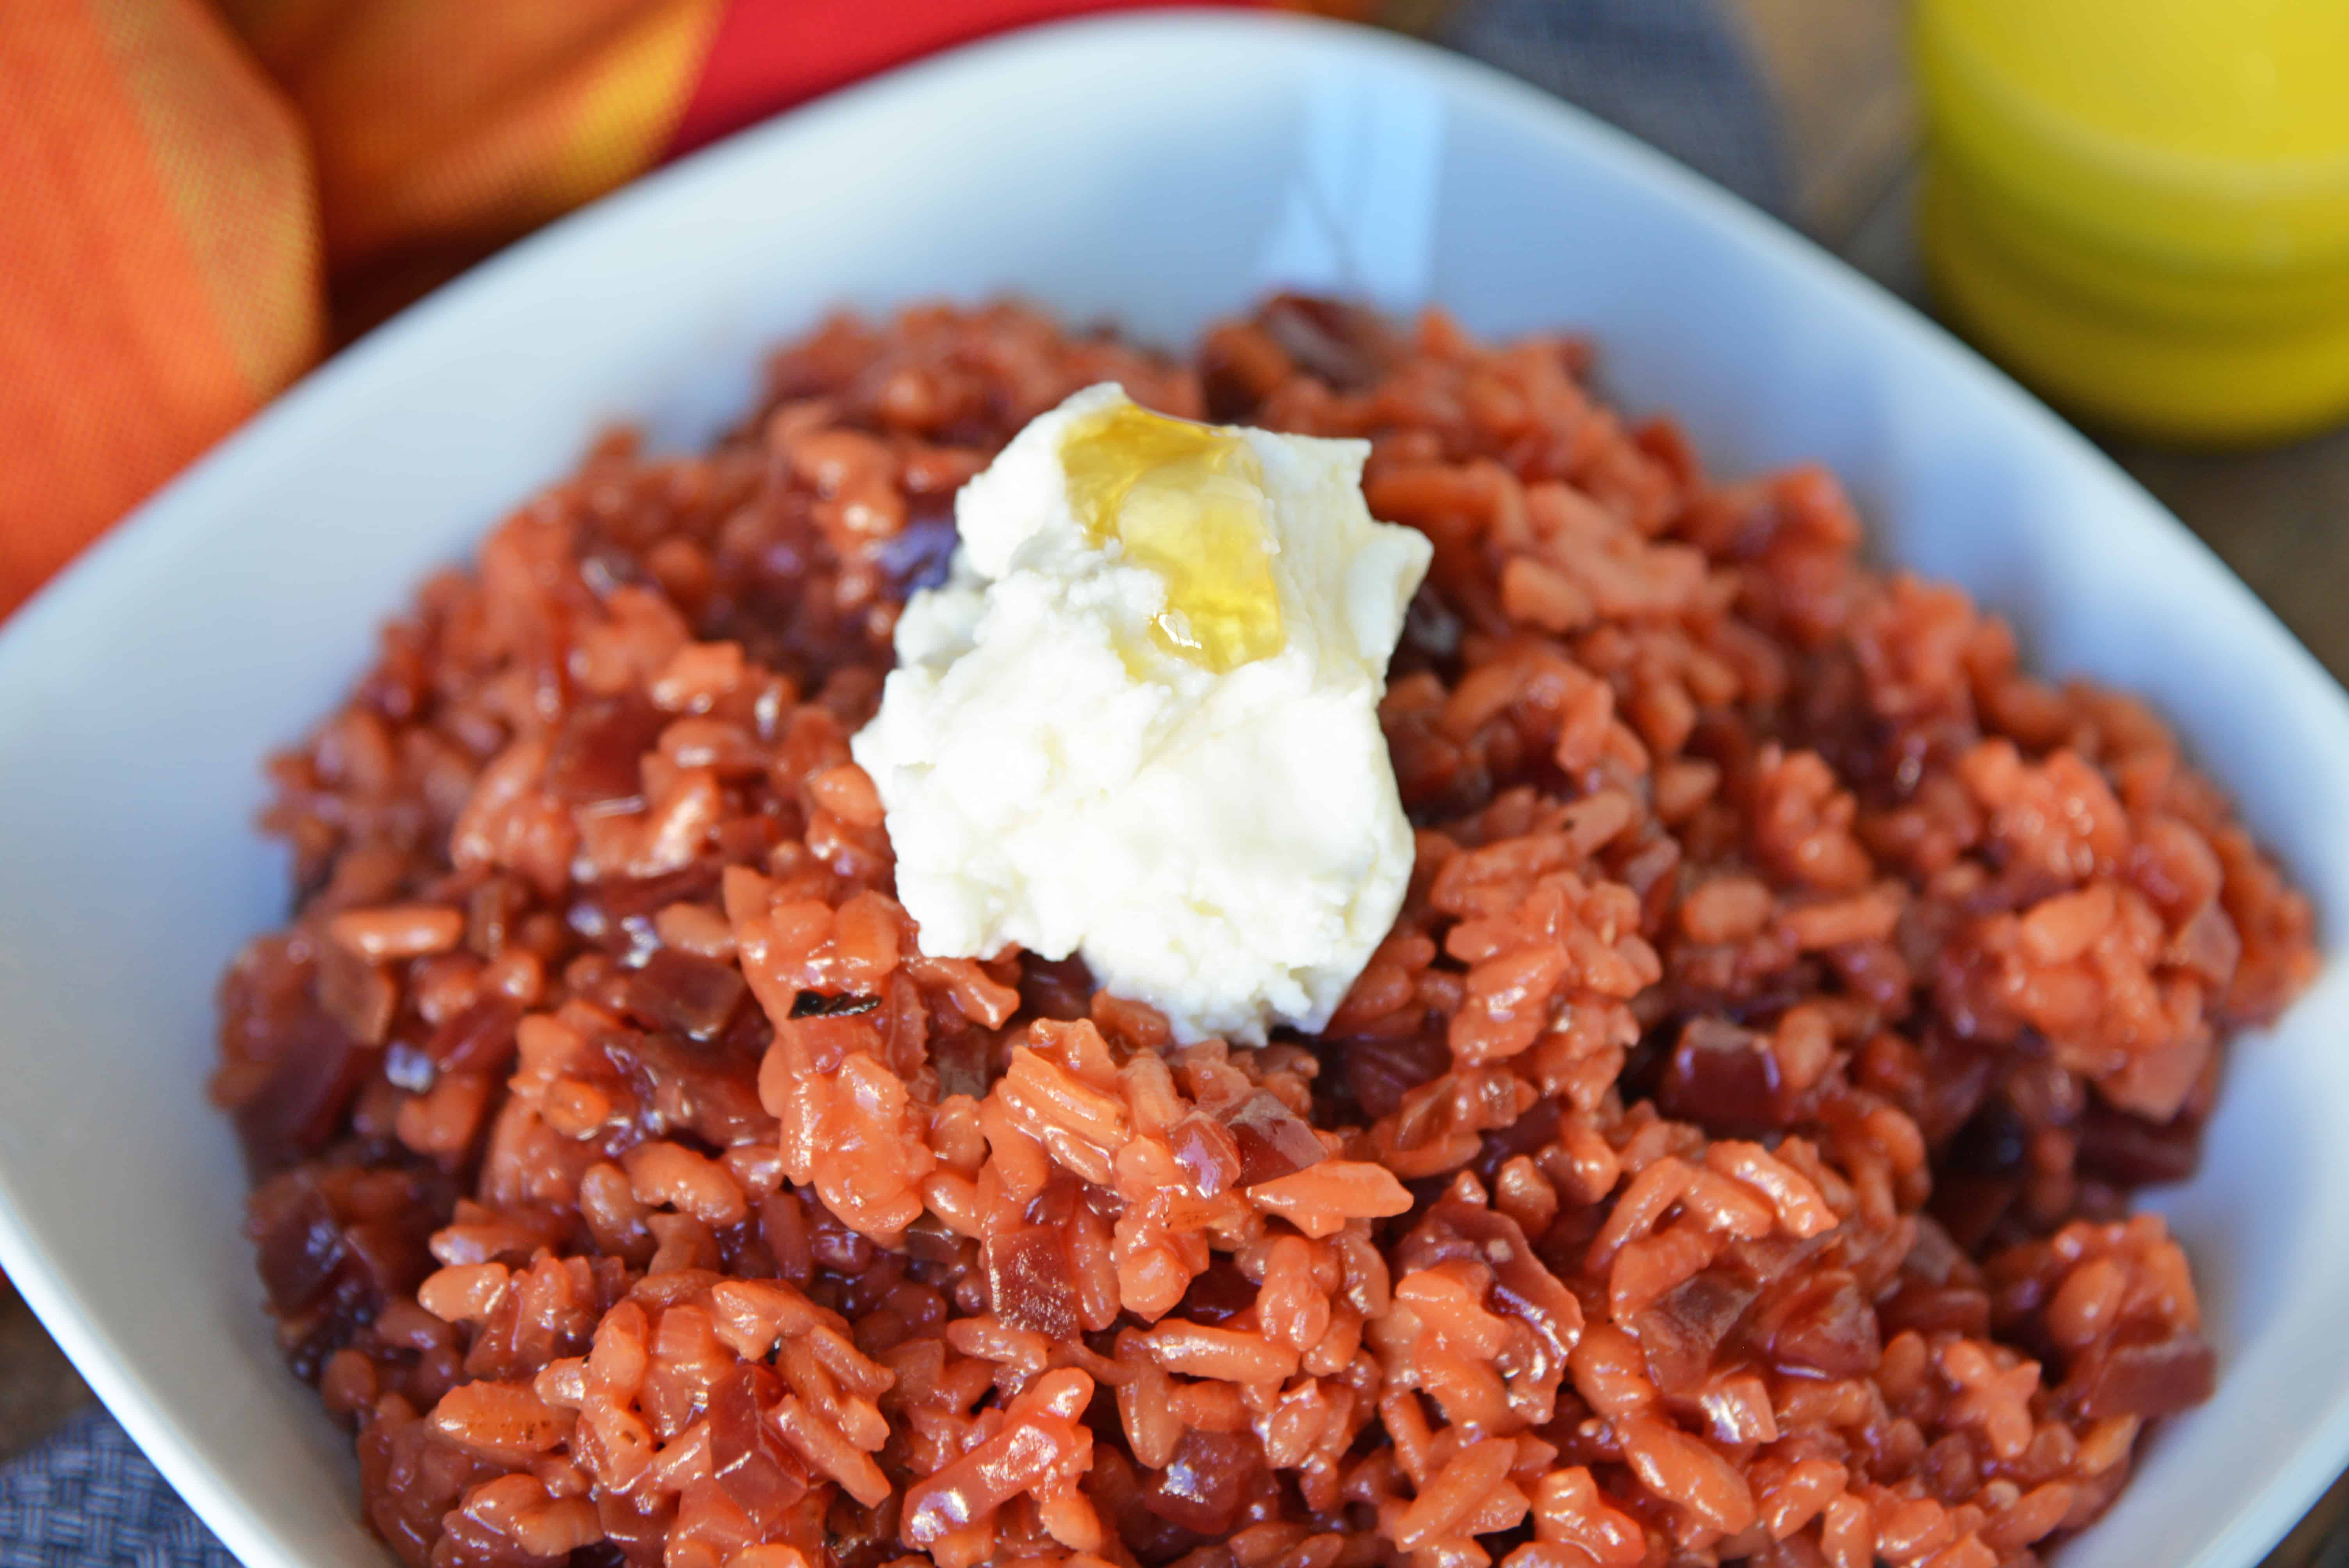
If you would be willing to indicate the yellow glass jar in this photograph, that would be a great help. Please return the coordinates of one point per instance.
(2142, 206)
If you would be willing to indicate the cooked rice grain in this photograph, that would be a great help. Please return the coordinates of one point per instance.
(1725, 1156)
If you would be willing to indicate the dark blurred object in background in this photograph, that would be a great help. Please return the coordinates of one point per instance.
(1675, 73)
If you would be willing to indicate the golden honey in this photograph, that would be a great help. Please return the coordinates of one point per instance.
(1187, 501)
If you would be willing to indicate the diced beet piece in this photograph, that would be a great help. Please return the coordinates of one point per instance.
(329, 1274)
(1683, 1332)
(307, 1338)
(1827, 1328)
(296, 1111)
(597, 752)
(1207, 1153)
(1934, 1258)
(1938, 1289)
(965, 1060)
(1216, 1295)
(682, 991)
(1059, 990)
(1766, 1260)
(1970, 1207)
(616, 915)
(385, 1258)
(630, 898)
(750, 1459)
(714, 1094)
(270, 980)
(642, 1538)
(2130, 1152)
(929, 1241)
(1379, 1073)
(856, 1536)
(1521, 1284)
(1031, 1282)
(2148, 1377)
(300, 1245)
(1937, 1309)
(1955, 1077)
(836, 1247)
(1204, 1484)
(478, 1039)
(1526, 1135)
(1724, 1077)
(1273, 1141)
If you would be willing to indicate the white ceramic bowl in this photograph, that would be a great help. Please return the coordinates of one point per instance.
(1155, 170)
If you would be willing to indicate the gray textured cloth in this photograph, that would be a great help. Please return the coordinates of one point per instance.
(1671, 71)
(88, 1496)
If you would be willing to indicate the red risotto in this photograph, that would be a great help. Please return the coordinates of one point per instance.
(1726, 1156)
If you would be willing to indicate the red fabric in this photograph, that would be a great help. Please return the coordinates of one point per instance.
(770, 53)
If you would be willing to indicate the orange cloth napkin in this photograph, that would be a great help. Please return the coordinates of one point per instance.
(197, 197)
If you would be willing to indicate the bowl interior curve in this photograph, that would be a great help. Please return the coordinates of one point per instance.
(1153, 170)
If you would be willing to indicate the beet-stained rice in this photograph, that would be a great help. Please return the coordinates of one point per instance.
(1725, 1157)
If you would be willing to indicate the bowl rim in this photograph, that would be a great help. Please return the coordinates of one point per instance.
(185, 508)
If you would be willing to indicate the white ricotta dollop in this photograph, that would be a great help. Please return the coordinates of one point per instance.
(1140, 719)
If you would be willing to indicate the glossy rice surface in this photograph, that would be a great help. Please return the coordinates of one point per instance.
(1727, 1155)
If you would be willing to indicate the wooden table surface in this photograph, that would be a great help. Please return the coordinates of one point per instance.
(2279, 519)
